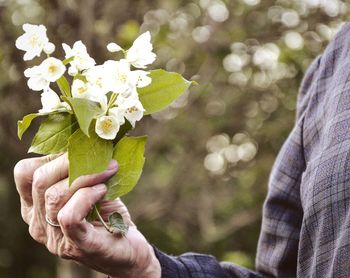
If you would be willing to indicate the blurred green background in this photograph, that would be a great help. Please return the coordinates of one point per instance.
(209, 155)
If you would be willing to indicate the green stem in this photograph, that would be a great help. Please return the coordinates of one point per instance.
(101, 219)
(111, 100)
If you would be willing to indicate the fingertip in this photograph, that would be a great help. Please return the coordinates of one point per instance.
(113, 165)
(100, 188)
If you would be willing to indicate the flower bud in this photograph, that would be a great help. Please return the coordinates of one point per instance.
(72, 71)
(49, 48)
(113, 47)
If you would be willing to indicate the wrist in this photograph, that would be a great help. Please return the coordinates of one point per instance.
(149, 269)
(153, 269)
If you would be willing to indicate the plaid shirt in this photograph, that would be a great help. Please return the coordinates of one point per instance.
(306, 217)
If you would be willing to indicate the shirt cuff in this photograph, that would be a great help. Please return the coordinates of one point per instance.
(189, 265)
(171, 267)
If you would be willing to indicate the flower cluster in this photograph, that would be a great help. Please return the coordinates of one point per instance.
(88, 109)
(113, 84)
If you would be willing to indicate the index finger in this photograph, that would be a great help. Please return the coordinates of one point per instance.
(23, 176)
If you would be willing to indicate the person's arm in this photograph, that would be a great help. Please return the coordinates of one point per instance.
(56, 215)
(282, 216)
(190, 265)
(283, 213)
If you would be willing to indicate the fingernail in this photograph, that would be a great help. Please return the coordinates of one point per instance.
(112, 165)
(100, 188)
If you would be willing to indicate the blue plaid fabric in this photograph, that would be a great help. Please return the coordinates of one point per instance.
(306, 217)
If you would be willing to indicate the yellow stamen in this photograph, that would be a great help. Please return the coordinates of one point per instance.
(121, 77)
(33, 41)
(132, 109)
(82, 90)
(99, 82)
(106, 125)
(52, 69)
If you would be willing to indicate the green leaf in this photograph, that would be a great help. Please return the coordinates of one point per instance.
(92, 215)
(129, 153)
(53, 134)
(85, 111)
(23, 125)
(68, 60)
(164, 89)
(88, 155)
(64, 86)
(117, 225)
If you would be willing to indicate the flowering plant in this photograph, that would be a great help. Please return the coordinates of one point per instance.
(97, 106)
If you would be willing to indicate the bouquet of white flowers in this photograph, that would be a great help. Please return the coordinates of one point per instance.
(97, 106)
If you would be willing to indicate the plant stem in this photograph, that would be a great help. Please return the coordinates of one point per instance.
(112, 100)
(101, 219)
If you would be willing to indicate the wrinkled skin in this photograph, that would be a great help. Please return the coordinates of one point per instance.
(42, 184)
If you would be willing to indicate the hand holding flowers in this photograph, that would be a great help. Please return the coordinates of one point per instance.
(97, 105)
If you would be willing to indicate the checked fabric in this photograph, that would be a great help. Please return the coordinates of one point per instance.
(306, 216)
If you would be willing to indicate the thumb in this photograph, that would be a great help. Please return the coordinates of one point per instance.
(72, 216)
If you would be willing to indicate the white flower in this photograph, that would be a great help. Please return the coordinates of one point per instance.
(113, 47)
(140, 54)
(32, 41)
(36, 81)
(141, 78)
(96, 76)
(133, 109)
(50, 101)
(107, 127)
(80, 89)
(48, 71)
(73, 71)
(118, 113)
(118, 77)
(82, 59)
(52, 69)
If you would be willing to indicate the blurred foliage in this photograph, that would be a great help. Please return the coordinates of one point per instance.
(210, 154)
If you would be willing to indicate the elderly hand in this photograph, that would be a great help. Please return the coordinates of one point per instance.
(42, 184)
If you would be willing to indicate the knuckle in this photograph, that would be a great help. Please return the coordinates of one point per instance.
(66, 220)
(20, 170)
(52, 248)
(63, 248)
(69, 252)
(57, 247)
(39, 179)
(36, 233)
(53, 198)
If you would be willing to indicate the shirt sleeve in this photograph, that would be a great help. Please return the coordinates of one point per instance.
(282, 215)
(277, 251)
(193, 265)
